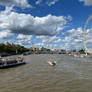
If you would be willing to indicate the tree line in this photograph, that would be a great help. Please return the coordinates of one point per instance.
(12, 49)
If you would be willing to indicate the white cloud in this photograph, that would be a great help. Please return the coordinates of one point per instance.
(38, 2)
(38, 45)
(48, 2)
(50, 42)
(19, 3)
(87, 2)
(74, 38)
(5, 34)
(28, 25)
(49, 39)
(24, 39)
(58, 40)
(51, 2)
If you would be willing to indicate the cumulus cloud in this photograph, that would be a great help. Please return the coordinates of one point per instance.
(48, 2)
(5, 34)
(87, 2)
(24, 39)
(58, 40)
(49, 39)
(51, 2)
(19, 3)
(53, 46)
(28, 25)
(51, 42)
(38, 45)
(74, 38)
(38, 2)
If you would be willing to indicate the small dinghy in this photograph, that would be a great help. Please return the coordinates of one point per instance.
(52, 63)
(8, 63)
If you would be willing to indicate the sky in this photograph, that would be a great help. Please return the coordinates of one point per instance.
(54, 24)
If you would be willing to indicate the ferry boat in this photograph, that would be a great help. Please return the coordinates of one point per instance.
(8, 63)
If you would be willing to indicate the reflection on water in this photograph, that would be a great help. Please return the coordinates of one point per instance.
(69, 75)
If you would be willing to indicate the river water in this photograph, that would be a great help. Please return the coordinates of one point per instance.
(69, 75)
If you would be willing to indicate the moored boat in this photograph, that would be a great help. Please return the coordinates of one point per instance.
(8, 63)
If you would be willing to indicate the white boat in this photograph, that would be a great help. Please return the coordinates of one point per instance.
(8, 63)
(52, 63)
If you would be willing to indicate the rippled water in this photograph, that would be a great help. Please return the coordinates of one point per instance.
(69, 75)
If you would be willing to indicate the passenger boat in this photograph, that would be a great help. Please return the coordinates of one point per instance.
(8, 63)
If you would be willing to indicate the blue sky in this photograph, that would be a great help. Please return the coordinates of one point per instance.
(49, 23)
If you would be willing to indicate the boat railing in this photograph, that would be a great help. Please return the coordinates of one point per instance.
(10, 61)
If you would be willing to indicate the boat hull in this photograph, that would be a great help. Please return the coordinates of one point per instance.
(12, 65)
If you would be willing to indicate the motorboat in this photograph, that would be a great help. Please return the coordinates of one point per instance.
(52, 63)
(8, 63)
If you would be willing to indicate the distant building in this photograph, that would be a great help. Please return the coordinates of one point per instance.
(89, 51)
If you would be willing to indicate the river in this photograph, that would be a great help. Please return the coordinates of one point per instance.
(69, 75)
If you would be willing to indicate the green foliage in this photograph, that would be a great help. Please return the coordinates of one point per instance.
(12, 49)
